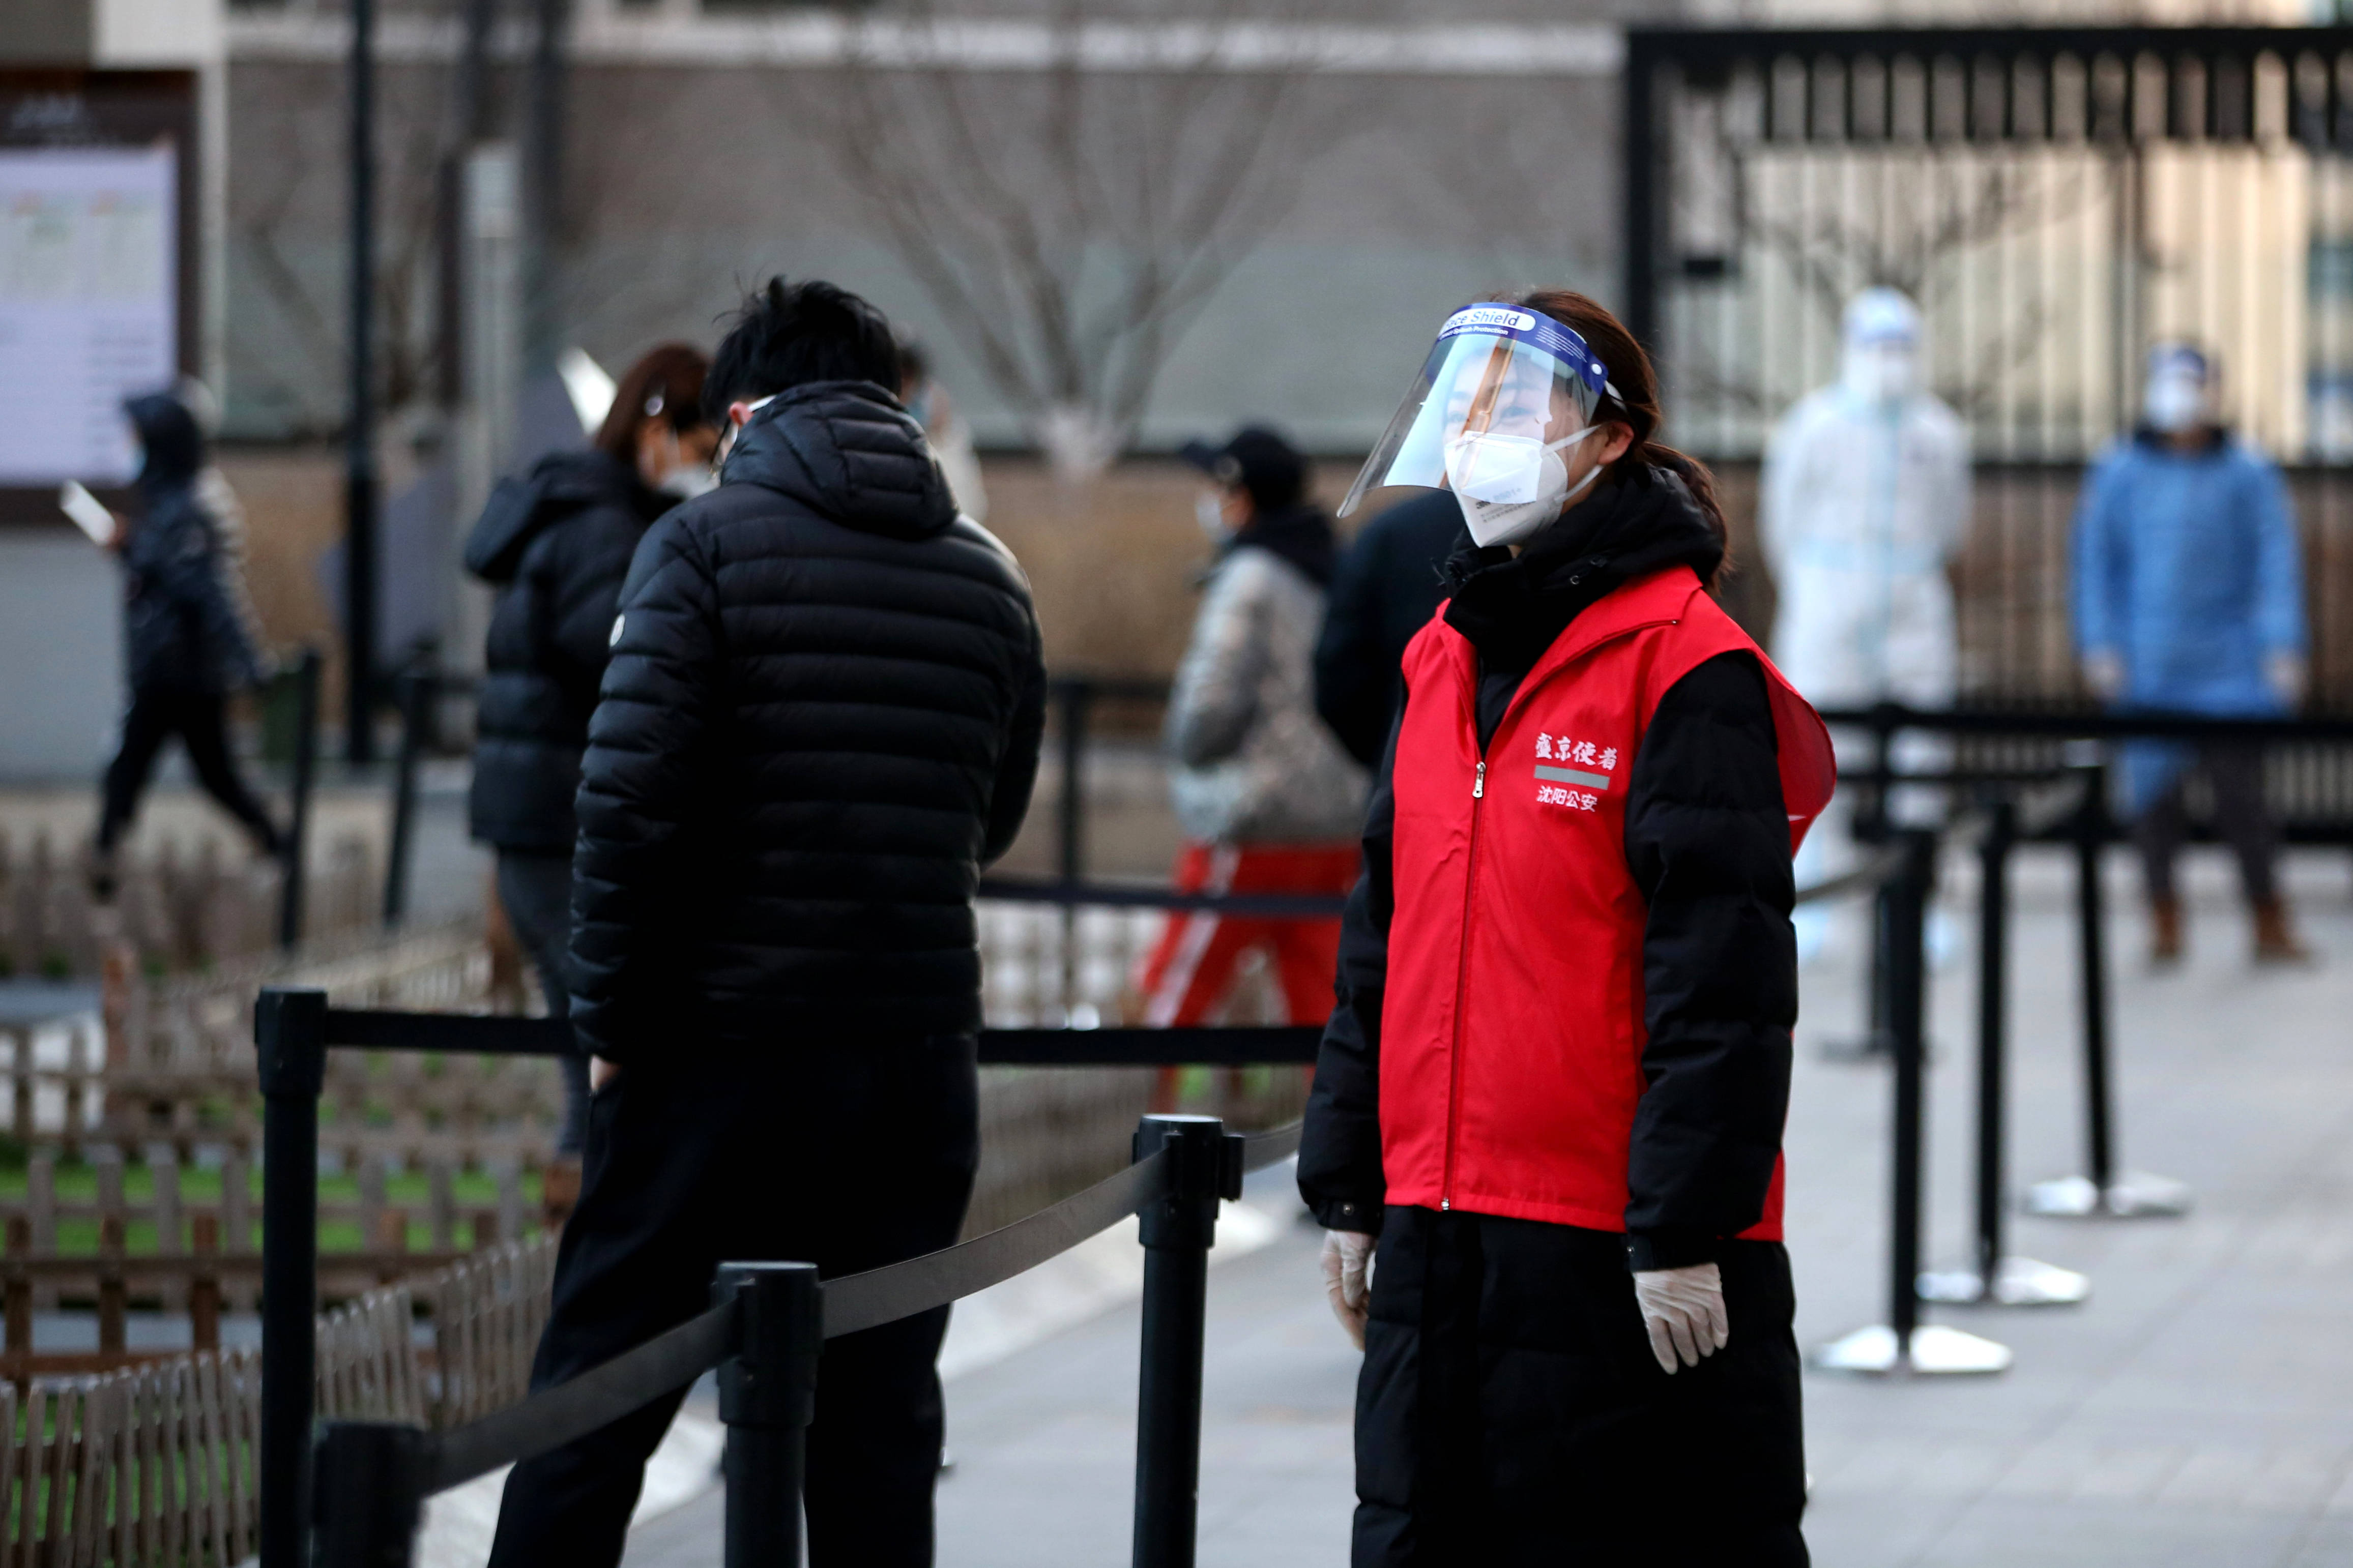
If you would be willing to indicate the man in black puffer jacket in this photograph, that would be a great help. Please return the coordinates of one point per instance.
(820, 720)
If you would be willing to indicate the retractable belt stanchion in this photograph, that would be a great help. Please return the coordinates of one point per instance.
(2100, 1191)
(1903, 1343)
(1996, 1278)
(289, 1035)
(371, 1496)
(767, 1396)
(1178, 1232)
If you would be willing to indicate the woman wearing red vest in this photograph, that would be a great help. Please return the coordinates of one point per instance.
(1554, 1084)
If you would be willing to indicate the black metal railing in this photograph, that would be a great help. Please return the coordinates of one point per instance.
(767, 1320)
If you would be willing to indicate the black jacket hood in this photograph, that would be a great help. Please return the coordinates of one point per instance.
(1300, 534)
(849, 452)
(560, 485)
(174, 446)
(1514, 608)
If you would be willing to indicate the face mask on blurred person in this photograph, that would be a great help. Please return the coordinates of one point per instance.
(1510, 487)
(1209, 513)
(2175, 402)
(689, 480)
(1883, 373)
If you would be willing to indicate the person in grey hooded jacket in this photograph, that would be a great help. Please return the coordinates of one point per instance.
(1268, 799)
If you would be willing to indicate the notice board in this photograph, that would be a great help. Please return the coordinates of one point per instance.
(96, 264)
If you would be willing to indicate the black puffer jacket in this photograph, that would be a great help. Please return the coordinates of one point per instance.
(1390, 579)
(558, 545)
(180, 624)
(1707, 841)
(821, 720)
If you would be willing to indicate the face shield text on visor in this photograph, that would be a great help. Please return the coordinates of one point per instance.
(1503, 392)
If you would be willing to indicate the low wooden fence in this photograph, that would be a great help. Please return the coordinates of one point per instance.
(155, 1463)
(178, 911)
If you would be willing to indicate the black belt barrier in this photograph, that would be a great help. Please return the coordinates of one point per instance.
(371, 1478)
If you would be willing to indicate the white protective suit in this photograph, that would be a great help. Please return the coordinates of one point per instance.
(1865, 500)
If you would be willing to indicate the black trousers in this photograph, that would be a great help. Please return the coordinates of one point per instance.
(536, 890)
(1510, 1411)
(198, 718)
(2236, 774)
(848, 1154)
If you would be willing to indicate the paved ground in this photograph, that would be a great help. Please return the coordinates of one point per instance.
(2198, 1411)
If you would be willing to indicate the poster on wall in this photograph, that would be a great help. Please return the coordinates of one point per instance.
(88, 306)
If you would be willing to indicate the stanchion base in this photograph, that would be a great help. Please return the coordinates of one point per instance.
(1936, 1352)
(2136, 1194)
(2017, 1282)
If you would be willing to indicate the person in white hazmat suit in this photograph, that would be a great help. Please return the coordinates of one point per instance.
(1865, 501)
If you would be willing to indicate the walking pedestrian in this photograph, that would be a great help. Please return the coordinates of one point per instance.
(2189, 598)
(1863, 502)
(821, 722)
(187, 646)
(1547, 1112)
(556, 546)
(1388, 582)
(1268, 800)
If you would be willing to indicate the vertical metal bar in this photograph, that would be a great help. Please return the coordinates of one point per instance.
(1993, 1019)
(1177, 1232)
(298, 827)
(371, 1493)
(1076, 697)
(1639, 194)
(415, 687)
(1907, 994)
(290, 1040)
(767, 1396)
(359, 435)
(2091, 932)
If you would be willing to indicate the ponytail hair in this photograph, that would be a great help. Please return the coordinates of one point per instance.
(1636, 403)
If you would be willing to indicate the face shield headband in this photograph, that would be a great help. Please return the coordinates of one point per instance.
(1501, 392)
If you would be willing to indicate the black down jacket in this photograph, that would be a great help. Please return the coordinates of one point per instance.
(180, 624)
(821, 720)
(557, 545)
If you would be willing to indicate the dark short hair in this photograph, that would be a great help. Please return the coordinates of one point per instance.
(666, 383)
(789, 334)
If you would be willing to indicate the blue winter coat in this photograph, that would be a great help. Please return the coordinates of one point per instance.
(2187, 567)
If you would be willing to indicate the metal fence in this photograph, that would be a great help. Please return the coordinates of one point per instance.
(2056, 200)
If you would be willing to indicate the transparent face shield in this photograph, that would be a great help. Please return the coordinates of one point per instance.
(1502, 392)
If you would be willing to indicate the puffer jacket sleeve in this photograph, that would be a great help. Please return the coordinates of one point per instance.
(1340, 1174)
(646, 776)
(1215, 698)
(1707, 840)
(1017, 769)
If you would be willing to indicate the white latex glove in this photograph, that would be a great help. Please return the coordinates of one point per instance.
(1684, 1310)
(1347, 1268)
(601, 1072)
(2103, 672)
(2284, 673)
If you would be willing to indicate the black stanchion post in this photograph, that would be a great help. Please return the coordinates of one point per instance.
(370, 1494)
(2102, 1189)
(416, 690)
(1993, 1024)
(767, 1396)
(1904, 1344)
(1177, 1232)
(1906, 1007)
(2091, 936)
(298, 824)
(290, 1038)
(1997, 1278)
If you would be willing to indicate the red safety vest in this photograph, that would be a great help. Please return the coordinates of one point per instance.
(1512, 1032)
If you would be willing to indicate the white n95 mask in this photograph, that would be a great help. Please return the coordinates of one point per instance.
(1511, 487)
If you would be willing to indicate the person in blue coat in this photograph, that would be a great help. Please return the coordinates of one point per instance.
(2189, 598)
